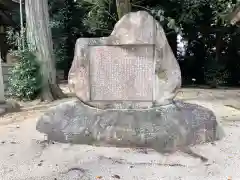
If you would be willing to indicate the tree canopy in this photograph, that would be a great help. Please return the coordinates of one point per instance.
(211, 49)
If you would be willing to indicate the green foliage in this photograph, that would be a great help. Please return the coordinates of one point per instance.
(25, 79)
(101, 15)
(13, 37)
(66, 19)
(216, 74)
(24, 82)
(202, 23)
(211, 54)
(165, 20)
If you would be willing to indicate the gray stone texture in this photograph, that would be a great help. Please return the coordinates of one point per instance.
(165, 128)
(163, 124)
(8, 106)
(119, 73)
(135, 29)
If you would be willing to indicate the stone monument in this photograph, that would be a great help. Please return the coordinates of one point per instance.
(5, 106)
(121, 73)
(145, 35)
(1, 83)
(125, 86)
(2, 99)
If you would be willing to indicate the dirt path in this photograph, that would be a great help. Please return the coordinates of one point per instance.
(24, 155)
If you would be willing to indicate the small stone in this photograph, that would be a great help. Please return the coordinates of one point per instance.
(2, 111)
(10, 106)
(213, 143)
(39, 164)
(116, 176)
(203, 159)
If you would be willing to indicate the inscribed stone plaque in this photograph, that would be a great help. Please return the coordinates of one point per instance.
(121, 73)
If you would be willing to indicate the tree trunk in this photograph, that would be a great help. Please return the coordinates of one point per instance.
(39, 39)
(123, 7)
(71, 39)
(172, 40)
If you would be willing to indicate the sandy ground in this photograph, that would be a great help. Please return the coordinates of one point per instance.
(24, 154)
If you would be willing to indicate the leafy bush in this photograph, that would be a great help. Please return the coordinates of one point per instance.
(25, 79)
(216, 74)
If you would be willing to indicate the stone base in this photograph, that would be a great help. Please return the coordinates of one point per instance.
(165, 128)
(8, 106)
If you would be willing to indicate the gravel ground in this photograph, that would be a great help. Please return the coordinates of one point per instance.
(24, 155)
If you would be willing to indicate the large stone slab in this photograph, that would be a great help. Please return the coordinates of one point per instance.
(121, 73)
(166, 128)
(134, 29)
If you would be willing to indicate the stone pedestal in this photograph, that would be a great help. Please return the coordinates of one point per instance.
(1, 84)
(4, 105)
(8, 106)
(2, 101)
(164, 128)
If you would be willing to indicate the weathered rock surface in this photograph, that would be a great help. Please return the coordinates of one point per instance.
(2, 111)
(8, 106)
(132, 30)
(160, 123)
(166, 128)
